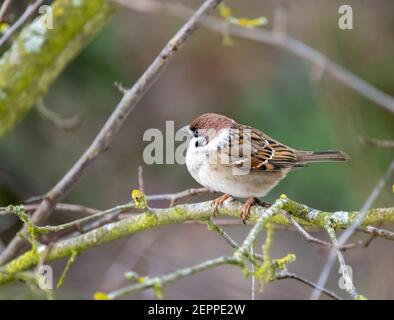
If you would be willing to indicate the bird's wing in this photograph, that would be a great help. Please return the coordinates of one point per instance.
(249, 146)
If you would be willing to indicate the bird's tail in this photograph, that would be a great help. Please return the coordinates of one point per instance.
(304, 157)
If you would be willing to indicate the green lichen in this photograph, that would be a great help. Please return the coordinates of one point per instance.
(264, 272)
(38, 55)
(70, 262)
(159, 217)
(31, 235)
(100, 296)
(158, 289)
(139, 199)
(281, 264)
(131, 275)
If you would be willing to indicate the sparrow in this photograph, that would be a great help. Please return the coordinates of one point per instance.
(241, 161)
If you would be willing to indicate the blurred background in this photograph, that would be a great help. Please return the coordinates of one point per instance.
(253, 83)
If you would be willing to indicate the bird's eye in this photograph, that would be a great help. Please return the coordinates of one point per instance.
(196, 133)
(197, 144)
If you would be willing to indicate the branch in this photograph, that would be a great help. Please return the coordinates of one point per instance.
(315, 240)
(377, 142)
(159, 282)
(105, 137)
(385, 234)
(65, 124)
(280, 40)
(30, 10)
(4, 8)
(288, 275)
(344, 268)
(39, 53)
(155, 217)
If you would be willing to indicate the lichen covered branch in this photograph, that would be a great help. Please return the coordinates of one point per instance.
(41, 51)
(154, 217)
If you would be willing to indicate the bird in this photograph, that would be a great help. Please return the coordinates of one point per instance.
(241, 161)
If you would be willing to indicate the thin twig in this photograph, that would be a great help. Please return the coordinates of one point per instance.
(281, 18)
(141, 179)
(285, 42)
(4, 8)
(318, 241)
(79, 222)
(120, 87)
(253, 287)
(80, 209)
(30, 10)
(377, 142)
(268, 213)
(106, 135)
(67, 207)
(174, 197)
(65, 124)
(344, 268)
(214, 227)
(282, 274)
(372, 237)
(377, 232)
(160, 282)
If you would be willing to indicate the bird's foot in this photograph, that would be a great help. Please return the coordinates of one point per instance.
(246, 209)
(218, 202)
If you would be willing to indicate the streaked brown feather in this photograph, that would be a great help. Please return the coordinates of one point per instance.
(267, 154)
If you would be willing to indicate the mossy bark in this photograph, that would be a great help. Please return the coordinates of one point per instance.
(182, 213)
(40, 52)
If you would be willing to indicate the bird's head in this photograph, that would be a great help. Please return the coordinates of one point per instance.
(207, 127)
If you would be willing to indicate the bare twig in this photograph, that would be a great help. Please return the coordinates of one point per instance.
(4, 8)
(253, 287)
(174, 197)
(112, 125)
(282, 274)
(159, 282)
(80, 209)
(350, 230)
(377, 232)
(377, 142)
(120, 87)
(344, 268)
(318, 241)
(66, 124)
(67, 207)
(141, 179)
(281, 18)
(79, 222)
(285, 42)
(30, 10)
(372, 237)
(214, 227)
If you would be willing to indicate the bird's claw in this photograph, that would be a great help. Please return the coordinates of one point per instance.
(218, 202)
(245, 211)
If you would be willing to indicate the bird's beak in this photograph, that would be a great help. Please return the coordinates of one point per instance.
(186, 130)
